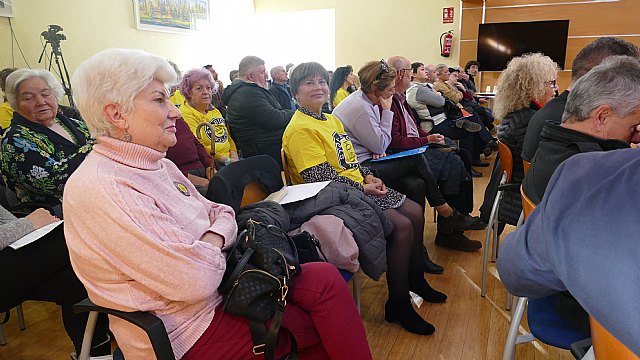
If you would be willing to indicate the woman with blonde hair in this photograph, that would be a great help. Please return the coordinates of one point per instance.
(527, 84)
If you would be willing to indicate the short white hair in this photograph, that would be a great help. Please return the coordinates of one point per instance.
(115, 76)
(17, 77)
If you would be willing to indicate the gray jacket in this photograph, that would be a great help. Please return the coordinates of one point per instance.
(359, 213)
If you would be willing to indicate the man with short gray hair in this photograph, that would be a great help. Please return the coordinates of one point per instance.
(279, 88)
(256, 119)
(602, 114)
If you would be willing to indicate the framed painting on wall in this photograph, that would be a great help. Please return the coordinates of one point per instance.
(176, 16)
(6, 8)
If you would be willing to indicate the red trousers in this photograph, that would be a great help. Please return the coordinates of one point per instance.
(320, 313)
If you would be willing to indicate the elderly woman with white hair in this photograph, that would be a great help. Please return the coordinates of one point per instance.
(42, 147)
(160, 246)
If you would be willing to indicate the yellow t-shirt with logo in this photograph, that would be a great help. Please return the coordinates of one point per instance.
(177, 98)
(308, 142)
(6, 114)
(341, 94)
(223, 142)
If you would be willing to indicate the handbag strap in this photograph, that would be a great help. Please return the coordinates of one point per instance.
(238, 269)
(316, 242)
(265, 342)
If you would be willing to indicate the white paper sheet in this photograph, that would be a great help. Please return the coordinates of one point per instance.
(293, 193)
(34, 235)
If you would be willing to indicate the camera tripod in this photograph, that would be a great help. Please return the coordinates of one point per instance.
(56, 55)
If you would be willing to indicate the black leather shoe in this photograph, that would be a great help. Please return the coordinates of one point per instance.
(479, 163)
(407, 317)
(456, 221)
(479, 225)
(475, 173)
(422, 288)
(429, 266)
(457, 241)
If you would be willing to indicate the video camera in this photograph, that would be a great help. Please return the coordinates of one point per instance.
(52, 35)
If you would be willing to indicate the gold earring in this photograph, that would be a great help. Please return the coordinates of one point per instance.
(127, 136)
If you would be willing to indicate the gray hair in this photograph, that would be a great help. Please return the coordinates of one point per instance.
(115, 76)
(615, 82)
(275, 71)
(17, 77)
(440, 67)
(247, 63)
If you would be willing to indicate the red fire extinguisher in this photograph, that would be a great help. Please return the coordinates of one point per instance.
(445, 46)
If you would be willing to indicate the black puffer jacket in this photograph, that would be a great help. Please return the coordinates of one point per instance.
(511, 132)
(253, 114)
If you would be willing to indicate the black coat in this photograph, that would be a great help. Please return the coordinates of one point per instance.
(557, 144)
(283, 98)
(254, 116)
(552, 111)
(511, 132)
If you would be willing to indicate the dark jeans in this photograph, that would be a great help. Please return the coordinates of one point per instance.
(252, 149)
(473, 143)
(463, 200)
(411, 176)
(41, 271)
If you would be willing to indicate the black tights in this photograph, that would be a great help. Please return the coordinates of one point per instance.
(404, 249)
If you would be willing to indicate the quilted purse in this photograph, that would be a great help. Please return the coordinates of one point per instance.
(255, 285)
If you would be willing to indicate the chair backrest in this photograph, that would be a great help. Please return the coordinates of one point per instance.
(606, 346)
(285, 167)
(526, 165)
(527, 205)
(246, 181)
(506, 159)
(253, 192)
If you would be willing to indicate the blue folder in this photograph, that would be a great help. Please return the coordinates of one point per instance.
(400, 154)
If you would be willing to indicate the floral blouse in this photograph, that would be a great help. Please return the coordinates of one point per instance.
(36, 161)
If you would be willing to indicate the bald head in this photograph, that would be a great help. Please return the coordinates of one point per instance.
(402, 65)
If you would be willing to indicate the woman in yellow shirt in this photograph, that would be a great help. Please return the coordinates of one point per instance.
(6, 112)
(197, 88)
(342, 78)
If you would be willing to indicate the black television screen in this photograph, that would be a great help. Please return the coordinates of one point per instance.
(500, 42)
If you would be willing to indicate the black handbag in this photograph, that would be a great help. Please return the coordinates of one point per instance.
(309, 249)
(255, 285)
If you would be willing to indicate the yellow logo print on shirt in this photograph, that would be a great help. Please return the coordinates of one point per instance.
(182, 188)
(345, 152)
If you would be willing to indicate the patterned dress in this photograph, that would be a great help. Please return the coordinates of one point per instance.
(36, 161)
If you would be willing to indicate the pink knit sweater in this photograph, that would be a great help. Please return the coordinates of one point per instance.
(133, 224)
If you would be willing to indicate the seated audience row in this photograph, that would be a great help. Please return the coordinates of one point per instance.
(147, 204)
(568, 244)
(317, 148)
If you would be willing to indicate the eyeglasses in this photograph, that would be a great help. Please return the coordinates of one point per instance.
(403, 71)
(551, 83)
(384, 68)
